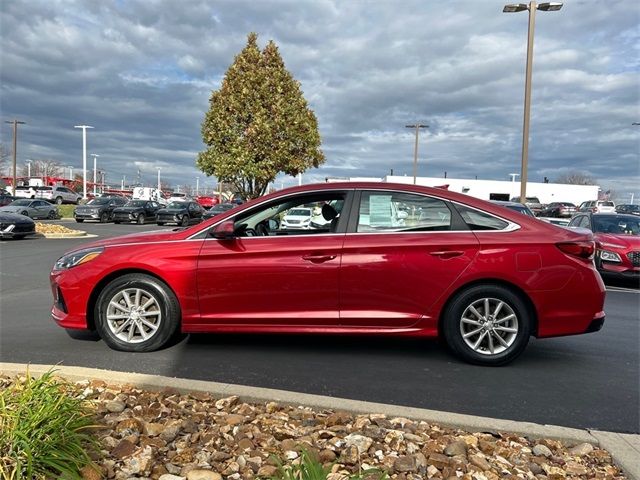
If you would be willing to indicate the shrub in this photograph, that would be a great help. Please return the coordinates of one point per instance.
(44, 429)
(310, 468)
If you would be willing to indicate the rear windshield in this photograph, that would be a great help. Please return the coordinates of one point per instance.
(606, 204)
(44, 188)
(533, 200)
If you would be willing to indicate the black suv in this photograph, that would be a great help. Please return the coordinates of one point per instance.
(99, 208)
(180, 213)
(139, 211)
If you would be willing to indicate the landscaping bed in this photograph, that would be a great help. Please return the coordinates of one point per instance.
(171, 436)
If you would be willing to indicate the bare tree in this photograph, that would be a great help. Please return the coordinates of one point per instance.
(46, 168)
(576, 178)
(4, 156)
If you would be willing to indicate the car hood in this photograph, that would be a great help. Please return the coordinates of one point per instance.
(172, 211)
(627, 242)
(127, 209)
(144, 237)
(8, 217)
(90, 207)
(12, 209)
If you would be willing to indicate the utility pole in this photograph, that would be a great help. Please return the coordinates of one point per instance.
(15, 124)
(417, 127)
(95, 171)
(84, 158)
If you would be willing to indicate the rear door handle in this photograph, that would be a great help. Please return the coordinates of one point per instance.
(318, 258)
(447, 253)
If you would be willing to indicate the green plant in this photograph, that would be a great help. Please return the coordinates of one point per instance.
(44, 429)
(310, 468)
(66, 211)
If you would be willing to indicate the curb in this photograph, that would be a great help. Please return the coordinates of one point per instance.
(624, 448)
(67, 235)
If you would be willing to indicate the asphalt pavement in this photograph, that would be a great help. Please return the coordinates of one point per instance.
(587, 381)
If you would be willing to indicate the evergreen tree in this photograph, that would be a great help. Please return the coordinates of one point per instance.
(258, 124)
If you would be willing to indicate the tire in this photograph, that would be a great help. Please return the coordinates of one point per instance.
(25, 213)
(79, 220)
(104, 217)
(140, 219)
(59, 200)
(160, 223)
(512, 313)
(52, 215)
(163, 313)
(117, 222)
(185, 221)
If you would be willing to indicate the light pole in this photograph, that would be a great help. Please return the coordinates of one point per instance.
(158, 177)
(84, 158)
(15, 124)
(70, 172)
(197, 186)
(417, 126)
(28, 162)
(532, 7)
(95, 170)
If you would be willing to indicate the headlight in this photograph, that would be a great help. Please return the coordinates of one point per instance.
(76, 258)
(608, 256)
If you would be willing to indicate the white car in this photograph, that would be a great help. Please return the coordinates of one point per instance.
(57, 194)
(598, 206)
(24, 191)
(178, 197)
(297, 218)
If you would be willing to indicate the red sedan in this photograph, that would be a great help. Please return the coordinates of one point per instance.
(617, 239)
(207, 202)
(386, 259)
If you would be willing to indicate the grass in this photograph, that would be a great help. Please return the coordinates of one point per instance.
(44, 429)
(66, 211)
(309, 468)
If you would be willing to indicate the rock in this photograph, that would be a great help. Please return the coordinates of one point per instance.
(234, 419)
(574, 468)
(115, 406)
(438, 460)
(169, 476)
(124, 449)
(405, 463)
(338, 418)
(267, 471)
(90, 473)
(128, 426)
(141, 462)
(432, 471)
(360, 441)
(203, 475)
(480, 462)
(535, 468)
(170, 432)
(486, 446)
(581, 449)
(152, 429)
(326, 456)
(227, 402)
(456, 448)
(542, 451)
(246, 444)
(350, 455)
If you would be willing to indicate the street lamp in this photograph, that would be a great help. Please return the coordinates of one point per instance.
(532, 7)
(28, 162)
(70, 172)
(84, 158)
(15, 124)
(197, 186)
(95, 169)
(158, 177)
(417, 126)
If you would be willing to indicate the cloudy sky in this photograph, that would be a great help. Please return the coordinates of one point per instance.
(141, 73)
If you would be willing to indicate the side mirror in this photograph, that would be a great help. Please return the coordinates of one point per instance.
(273, 224)
(402, 215)
(224, 230)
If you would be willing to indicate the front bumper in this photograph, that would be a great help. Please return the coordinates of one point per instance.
(19, 230)
(87, 215)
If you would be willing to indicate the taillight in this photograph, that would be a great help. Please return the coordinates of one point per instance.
(584, 250)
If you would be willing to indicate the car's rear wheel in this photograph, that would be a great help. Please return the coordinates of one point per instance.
(140, 220)
(51, 215)
(79, 220)
(25, 213)
(137, 313)
(59, 200)
(160, 223)
(487, 325)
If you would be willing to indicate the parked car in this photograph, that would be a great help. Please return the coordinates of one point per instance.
(57, 194)
(139, 211)
(532, 202)
(597, 206)
(180, 213)
(13, 225)
(517, 207)
(217, 209)
(6, 199)
(617, 239)
(99, 209)
(32, 208)
(207, 202)
(178, 197)
(25, 191)
(298, 218)
(558, 210)
(482, 277)
(628, 208)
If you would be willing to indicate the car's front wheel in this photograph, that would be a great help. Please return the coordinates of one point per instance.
(137, 313)
(104, 217)
(140, 219)
(487, 325)
(59, 200)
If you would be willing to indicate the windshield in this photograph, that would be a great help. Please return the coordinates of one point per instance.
(136, 203)
(532, 199)
(177, 205)
(521, 209)
(617, 224)
(606, 204)
(21, 203)
(178, 195)
(98, 201)
(44, 188)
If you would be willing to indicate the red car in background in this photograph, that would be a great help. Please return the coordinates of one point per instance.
(388, 259)
(617, 243)
(207, 202)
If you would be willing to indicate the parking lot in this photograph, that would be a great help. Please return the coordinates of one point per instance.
(595, 378)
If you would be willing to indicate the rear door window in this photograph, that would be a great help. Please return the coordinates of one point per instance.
(479, 220)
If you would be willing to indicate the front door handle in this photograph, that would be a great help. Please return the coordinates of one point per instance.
(318, 258)
(447, 253)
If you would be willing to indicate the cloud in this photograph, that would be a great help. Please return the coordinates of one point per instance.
(142, 72)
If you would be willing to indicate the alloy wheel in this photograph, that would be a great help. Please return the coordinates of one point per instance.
(133, 315)
(489, 326)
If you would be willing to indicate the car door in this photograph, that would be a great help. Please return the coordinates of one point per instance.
(401, 253)
(276, 278)
(39, 209)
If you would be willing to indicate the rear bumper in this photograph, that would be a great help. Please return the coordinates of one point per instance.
(596, 324)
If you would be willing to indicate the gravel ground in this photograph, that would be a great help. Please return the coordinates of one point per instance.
(171, 436)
